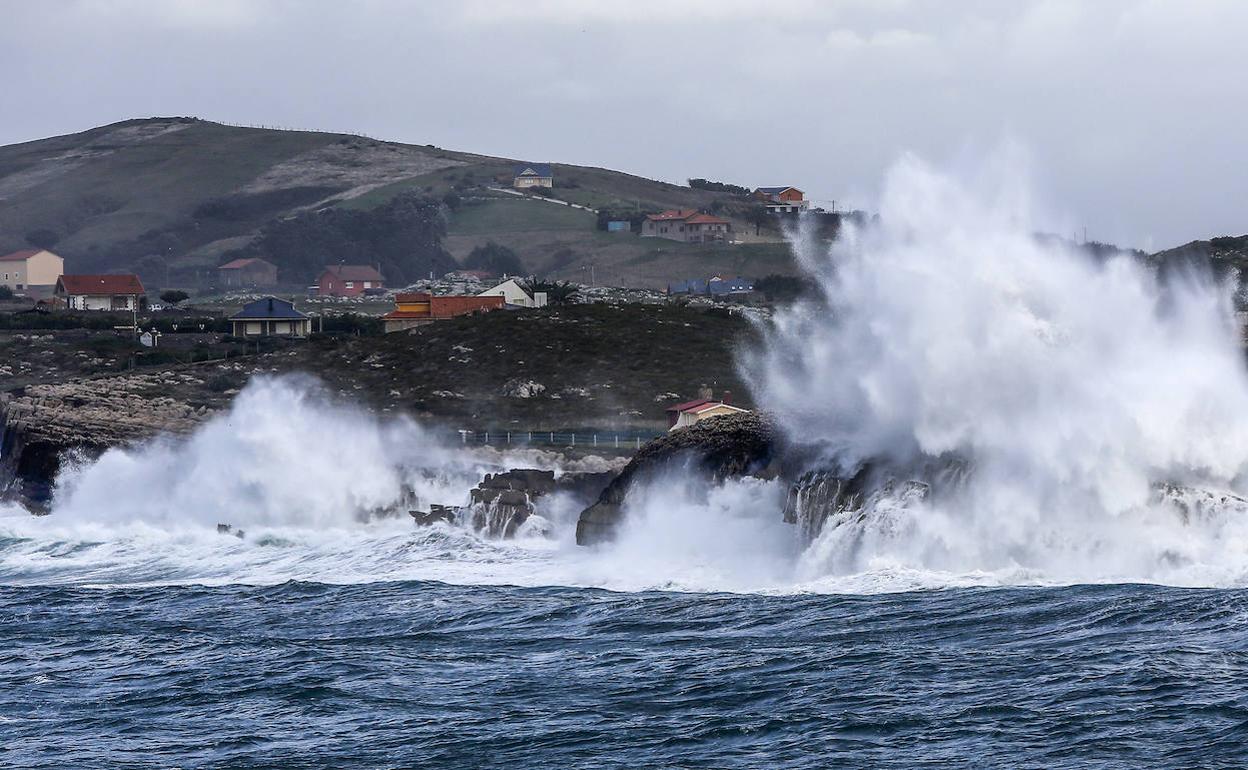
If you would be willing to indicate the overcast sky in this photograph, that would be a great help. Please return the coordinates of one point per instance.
(1134, 112)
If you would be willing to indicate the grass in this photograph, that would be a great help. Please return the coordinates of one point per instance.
(509, 216)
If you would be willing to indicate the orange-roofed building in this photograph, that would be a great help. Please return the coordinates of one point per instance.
(686, 225)
(246, 273)
(422, 308)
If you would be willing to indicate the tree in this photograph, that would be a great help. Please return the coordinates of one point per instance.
(174, 296)
(6, 292)
(495, 258)
(758, 216)
(557, 292)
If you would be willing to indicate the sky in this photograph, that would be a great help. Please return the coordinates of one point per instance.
(1132, 113)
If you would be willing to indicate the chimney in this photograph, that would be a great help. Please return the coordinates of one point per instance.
(726, 398)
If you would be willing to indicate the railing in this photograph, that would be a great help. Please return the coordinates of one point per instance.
(625, 442)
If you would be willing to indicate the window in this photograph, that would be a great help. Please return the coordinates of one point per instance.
(368, 284)
(350, 284)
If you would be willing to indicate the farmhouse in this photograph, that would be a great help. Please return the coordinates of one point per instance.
(782, 200)
(685, 225)
(421, 308)
(348, 280)
(270, 317)
(514, 294)
(533, 175)
(31, 268)
(247, 273)
(99, 292)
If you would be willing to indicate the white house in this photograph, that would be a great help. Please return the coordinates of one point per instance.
(100, 292)
(514, 294)
(31, 268)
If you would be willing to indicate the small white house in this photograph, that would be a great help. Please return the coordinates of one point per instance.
(514, 294)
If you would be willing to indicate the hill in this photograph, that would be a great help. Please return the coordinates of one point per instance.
(174, 197)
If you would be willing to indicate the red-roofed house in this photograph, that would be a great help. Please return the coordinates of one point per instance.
(100, 292)
(247, 273)
(685, 225)
(38, 268)
(348, 280)
(693, 412)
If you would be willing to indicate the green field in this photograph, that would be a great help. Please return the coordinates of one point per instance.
(517, 216)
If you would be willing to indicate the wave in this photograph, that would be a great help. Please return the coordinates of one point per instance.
(1102, 413)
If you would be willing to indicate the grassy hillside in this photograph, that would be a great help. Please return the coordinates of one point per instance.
(174, 197)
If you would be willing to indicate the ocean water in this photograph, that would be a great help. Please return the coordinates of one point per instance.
(428, 674)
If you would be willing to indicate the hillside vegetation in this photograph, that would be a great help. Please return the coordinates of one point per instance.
(172, 198)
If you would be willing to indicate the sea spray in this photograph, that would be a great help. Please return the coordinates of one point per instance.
(1071, 388)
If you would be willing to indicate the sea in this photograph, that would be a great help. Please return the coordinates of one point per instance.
(432, 648)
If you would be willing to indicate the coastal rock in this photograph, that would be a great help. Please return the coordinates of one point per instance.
(523, 389)
(723, 447)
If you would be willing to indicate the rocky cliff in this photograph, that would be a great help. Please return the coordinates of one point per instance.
(41, 425)
(723, 447)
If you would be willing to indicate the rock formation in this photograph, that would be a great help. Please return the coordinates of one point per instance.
(723, 447)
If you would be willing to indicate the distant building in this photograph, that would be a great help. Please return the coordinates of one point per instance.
(422, 308)
(348, 280)
(717, 287)
(730, 288)
(686, 225)
(693, 412)
(514, 294)
(31, 268)
(270, 317)
(247, 273)
(533, 175)
(782, 200)
(99, 292)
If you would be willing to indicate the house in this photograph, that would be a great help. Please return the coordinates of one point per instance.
(423, 308)
(782, 200)
(247, 273)
(693, 412)
(99, 292)
(533, 175)
(730, 288)
(37, 268)
(348, 280)
(516, 295)
(270, 317)
(686, 225)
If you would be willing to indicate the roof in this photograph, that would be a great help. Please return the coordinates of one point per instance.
(126, 283)
(730, 285)
(671, 214)
(354, 272)
(714, 405)
(775, 190)
(268, 308)
(241, 263)
(20, 256)
(706, 219)
(689, 405)
(533, 169)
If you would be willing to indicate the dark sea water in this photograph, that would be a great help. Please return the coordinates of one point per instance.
(423, 674)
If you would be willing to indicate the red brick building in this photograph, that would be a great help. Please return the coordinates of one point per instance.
(348, 280)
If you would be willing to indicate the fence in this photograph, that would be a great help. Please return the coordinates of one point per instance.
(625, 442)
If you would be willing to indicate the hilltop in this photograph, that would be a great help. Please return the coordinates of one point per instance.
(174, 197)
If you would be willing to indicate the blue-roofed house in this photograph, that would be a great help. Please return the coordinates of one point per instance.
(533, 175)
(270, 317)
(730, 288)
